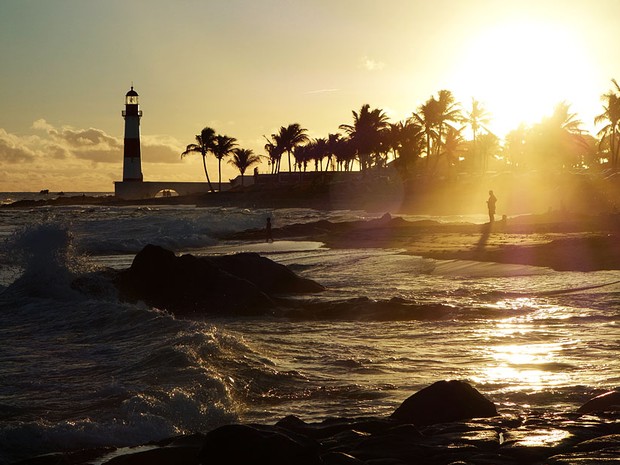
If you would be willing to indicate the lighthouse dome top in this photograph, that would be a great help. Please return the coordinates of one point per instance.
(131, 97)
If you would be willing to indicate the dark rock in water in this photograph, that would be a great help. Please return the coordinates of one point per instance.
(270, 277)
(244, 444)
(610, 401)
(442, 402)
(240, 284)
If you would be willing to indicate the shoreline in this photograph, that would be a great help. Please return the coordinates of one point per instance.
(552, 240)
(558, 240)
(446, 423)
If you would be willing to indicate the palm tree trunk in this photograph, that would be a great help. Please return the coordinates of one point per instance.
(219, 174)
(204, 163)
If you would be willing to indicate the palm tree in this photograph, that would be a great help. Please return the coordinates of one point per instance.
(448, 112)
(611, 131)
(453, 146)
(332, 148)
(426, 119)
(435, 115)
(365, 132)
(477, 118)
(558, 139)
(290, 137)
(488, 145)
(204, 142)
(242, 159)
(274, 153)
(221, 147)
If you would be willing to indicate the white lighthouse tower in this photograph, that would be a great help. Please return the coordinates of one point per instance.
(132, 165)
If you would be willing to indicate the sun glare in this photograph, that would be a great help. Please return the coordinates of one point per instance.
(521, 70)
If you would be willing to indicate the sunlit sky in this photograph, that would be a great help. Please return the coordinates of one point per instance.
(246, 68)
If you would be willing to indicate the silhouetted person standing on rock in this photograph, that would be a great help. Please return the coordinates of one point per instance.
(491, 206)
(268, 236)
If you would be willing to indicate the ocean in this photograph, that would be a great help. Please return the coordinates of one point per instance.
(81, 371)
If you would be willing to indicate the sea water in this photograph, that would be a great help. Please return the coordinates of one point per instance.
(82, 370)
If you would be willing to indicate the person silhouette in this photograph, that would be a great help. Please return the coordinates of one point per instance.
(491, 206)
(268, 236)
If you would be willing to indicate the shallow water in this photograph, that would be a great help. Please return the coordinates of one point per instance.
(80, 371)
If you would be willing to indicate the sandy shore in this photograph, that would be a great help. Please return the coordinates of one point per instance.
(558, 241)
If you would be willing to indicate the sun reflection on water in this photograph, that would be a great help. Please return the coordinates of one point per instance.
(523, 352)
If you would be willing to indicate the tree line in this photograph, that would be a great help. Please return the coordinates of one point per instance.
(432, 141)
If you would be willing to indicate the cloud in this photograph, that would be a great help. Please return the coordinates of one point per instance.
(372, 65)
(86, 159)
(161, 149)
(321, 91)
(97, 146)
(12, 150)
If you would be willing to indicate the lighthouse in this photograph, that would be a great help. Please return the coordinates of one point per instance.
(132, 165)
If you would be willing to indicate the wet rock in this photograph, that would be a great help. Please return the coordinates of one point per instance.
(550, 438)
(239, 284)
(443, 402)
(158, 456)
(606, 456)
(340, 458)
(610, 401)
(244, 444)
(269, 276)
(611, 441)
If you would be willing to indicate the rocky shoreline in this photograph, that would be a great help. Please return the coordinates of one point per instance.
(447, 423)
(554, 240)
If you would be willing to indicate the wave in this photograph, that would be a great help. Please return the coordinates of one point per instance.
(103, 372)
(394, 309)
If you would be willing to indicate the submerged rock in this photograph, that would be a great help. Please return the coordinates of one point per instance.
(609, 401)
(241, 284)
(442, 402)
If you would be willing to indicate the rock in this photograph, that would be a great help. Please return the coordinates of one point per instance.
(244, 444)
(239, 284)
(610, 401)
(270, 277)
(442, 402)
(158, 456)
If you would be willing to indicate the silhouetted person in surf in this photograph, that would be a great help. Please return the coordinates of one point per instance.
(491, 206)
(268, 236)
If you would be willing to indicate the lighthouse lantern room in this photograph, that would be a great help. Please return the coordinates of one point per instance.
(132, 169)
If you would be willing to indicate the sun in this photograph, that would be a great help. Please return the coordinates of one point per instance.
(521, 69)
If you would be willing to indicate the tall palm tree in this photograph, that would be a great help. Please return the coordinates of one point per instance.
(290, 137)
(242, 159)
(449, 111)
(477, 118)
(365, 132)
(222, 146)
(204, 142)
(435, 116)
(426, 117)
(611, 131)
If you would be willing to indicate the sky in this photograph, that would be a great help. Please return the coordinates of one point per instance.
(247, 67)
